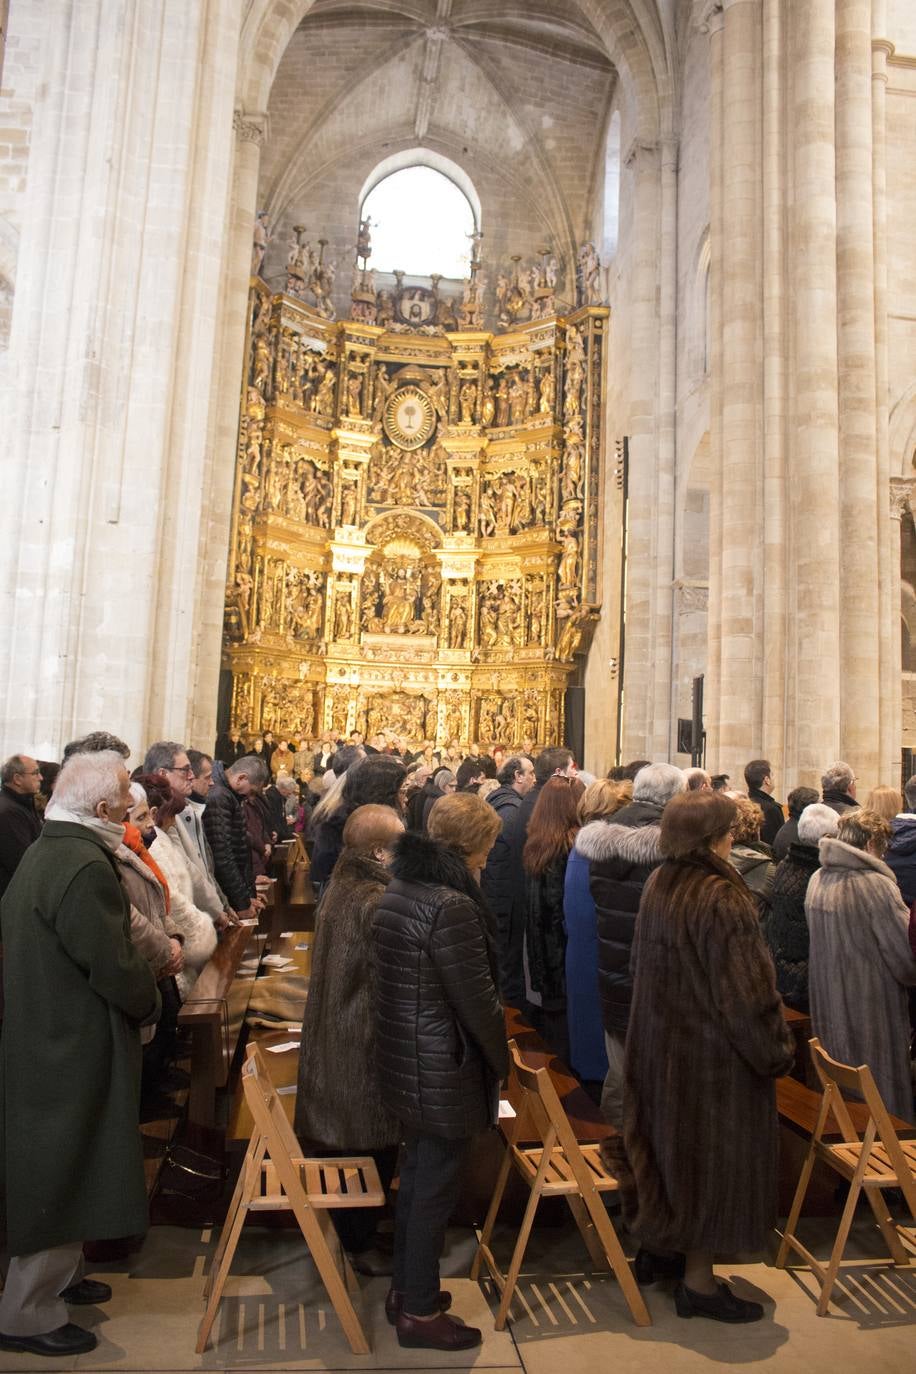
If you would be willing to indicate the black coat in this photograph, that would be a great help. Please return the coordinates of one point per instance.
(20, 826)
(228, 753)
(840, 802)
(416, 805)
(496, 879)
(901, 855)
(327, 842)
(785, 925)
(622, 853)
(224, 826)
(440, 1032)
(773, 815)
(786, 836)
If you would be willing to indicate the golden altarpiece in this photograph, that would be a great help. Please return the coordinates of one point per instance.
(415, 530)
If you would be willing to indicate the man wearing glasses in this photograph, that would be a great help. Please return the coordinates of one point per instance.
(20, 823)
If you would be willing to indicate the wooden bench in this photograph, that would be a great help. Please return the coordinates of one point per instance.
(214, 1014)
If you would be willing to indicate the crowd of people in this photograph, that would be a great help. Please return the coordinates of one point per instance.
(649, 925)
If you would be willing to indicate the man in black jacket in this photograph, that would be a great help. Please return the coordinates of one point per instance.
(224, 825)
(20, 823)
(758, 774)
(516, 778)
(622, 852)
(839, 788)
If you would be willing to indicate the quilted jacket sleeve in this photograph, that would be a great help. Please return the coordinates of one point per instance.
(219, 819)
(458, 949)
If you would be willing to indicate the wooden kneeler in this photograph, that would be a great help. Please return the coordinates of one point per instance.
(276, 1177)
(558, 1166)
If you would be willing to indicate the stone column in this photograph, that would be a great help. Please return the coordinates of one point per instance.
(891, 694)
(711, 22)
(250, 130)
(860, 611)
(775, 370)
(663, 742)
(814, 661)
(740, 685)
(110, 368)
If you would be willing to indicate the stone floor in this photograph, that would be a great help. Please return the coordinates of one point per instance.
(275, 1315)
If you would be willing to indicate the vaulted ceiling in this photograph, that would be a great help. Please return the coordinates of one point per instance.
(522, 88)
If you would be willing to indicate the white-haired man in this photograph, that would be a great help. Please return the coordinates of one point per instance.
(838, 786)
(76, 993)
(621, 853)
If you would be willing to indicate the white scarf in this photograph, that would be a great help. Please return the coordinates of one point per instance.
(109, 832)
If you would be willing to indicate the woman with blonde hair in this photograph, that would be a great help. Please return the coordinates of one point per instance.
(885, 801)
(440, 1045)
(860, 964)
(749, 855)
(585, 1028)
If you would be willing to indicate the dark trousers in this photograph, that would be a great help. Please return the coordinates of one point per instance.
(427, 1193)
(356, 1226)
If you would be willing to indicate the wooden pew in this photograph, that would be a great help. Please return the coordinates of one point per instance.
(214, 1014)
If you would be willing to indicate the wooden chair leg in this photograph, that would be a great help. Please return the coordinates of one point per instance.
(887, 1225)
(336, 1280)
(839, 1244)
(243, 1192)
(617, 1259)
(228, 1242)
(492, 1212)
(788, 1234)
(587, 1231)
(518, 1254)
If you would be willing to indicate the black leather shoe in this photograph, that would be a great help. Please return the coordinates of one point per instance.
(394, 1302)
(648, 1268)
(721, 1306)
(442, 1333)
(65, 1340)
(87, 1292)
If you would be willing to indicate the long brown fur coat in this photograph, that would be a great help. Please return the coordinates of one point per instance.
(706, 1039)
(338, 1103)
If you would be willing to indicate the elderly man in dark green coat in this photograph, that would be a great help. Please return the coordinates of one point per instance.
(76, 993)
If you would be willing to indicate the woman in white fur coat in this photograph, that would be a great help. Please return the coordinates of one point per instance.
(860, 962)
(165, 847)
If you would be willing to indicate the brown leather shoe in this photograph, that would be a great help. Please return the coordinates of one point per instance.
(395, 1301)
(442, 1333)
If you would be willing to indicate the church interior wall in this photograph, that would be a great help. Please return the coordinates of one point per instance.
(901, 217)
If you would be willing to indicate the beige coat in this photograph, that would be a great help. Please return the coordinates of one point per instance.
(860, 967)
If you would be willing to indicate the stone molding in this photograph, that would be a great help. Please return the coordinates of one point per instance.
(902, 491)
(708, 15)
(250, 128)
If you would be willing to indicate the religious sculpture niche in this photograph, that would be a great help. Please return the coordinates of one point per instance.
(499, 614)
(415, 516)
(529, 293)
(400, 714)
(400, 592)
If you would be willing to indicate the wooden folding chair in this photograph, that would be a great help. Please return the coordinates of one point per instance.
(557, 1166)
(276, 1177)
(870, 1163)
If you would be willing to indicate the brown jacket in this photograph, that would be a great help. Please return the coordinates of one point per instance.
(706, 1039)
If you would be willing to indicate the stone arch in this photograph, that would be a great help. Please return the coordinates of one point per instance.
(902, 434)
(424, 157)
(633, 33)
(402, 521)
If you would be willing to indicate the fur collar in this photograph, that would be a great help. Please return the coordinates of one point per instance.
(603, 840)
(355, 866)
(836, 854)
(419, 859)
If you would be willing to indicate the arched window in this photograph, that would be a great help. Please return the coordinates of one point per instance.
(422, 219)
(612, 188)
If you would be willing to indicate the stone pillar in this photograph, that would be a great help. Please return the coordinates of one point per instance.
(250, 130)
(891, 693)
(860, 612)
(110, 369)
(775, 399)
(814, 661)
(739, 590)
(711, 22)
(662, 743)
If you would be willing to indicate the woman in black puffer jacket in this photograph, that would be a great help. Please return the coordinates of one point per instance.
(440, 1044)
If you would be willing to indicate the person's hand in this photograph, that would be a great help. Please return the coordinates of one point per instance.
(176, 963)
(262, 883)
(222, 922)
(248, 913)
(268, 850)
(257, 904)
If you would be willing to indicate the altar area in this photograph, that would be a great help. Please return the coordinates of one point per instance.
(417, 511)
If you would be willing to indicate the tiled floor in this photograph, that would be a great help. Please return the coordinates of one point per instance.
(275, 1316)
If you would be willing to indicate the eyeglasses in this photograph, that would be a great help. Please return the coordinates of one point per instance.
(187, 771)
